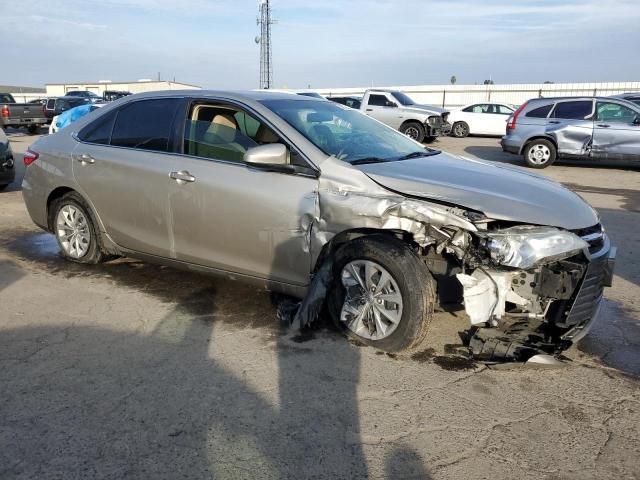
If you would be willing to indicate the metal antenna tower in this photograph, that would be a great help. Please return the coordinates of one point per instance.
(264, 39)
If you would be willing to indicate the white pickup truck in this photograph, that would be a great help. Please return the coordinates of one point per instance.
(423, 123)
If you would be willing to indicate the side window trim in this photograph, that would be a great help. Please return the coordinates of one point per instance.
(552, 113)
(189, 102)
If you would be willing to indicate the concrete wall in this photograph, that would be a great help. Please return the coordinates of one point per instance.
(452, 96)
(58, 90)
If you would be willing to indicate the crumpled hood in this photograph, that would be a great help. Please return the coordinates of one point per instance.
(501, 192)
(425, 109)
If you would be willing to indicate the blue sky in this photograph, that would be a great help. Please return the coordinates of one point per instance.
(328, 43)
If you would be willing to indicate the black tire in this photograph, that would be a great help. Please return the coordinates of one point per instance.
(547, 151)
(414, 281)
(3, 186)
(413, 130)
(430, 139)
(33, 129)
(95, 253)
(460, 129)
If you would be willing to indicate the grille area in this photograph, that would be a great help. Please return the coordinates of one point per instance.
(590, 291)
(589, 294)
(435, 121)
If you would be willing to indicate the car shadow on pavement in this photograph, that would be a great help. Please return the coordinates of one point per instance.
(91, 402)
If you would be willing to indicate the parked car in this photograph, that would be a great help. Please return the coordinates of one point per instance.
(313, 199)
(485, 118)
(67, 117)
(62, 104)
(7, 166)
(93, 97)
(353, 102)
(631, 97)
(581, 128)
(111, 95)
(18, 115)
(423, 123)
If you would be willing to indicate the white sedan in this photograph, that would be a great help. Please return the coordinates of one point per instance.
(487, 118)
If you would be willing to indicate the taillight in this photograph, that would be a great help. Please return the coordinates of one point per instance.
(29, 157)
(514, 118)
(5, 111)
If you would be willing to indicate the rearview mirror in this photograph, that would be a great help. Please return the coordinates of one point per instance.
(274, 156)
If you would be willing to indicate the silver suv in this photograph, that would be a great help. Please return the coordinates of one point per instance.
(544, 129)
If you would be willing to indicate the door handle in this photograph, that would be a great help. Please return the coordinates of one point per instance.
(369, 109)
(86, 159)
(603, 125)
(182, 177)
(555, 122)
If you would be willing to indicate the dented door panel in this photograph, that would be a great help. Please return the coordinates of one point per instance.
(573, 137)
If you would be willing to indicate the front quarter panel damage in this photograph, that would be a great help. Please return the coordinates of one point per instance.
(362, 205)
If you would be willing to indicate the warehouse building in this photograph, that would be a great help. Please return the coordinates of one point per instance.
(145, 85)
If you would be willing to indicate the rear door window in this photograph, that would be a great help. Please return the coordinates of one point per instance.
(145, 124)
(574, 110)
(540, 112)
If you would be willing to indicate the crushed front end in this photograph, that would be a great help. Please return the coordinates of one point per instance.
(530, 290)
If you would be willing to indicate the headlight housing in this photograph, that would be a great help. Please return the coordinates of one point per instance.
(524, 247)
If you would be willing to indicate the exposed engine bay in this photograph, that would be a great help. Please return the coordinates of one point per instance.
(526, 289)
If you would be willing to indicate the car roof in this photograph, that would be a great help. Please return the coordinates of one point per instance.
(240, 95)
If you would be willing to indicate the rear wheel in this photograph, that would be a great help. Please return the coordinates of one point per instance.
(75, 229)
(539, 153)
(382, 293)
(32, 129)
(413, 130)
(460, 129)
(3, 186)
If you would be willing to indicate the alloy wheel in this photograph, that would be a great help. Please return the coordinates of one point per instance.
(73, 232)
(412, 132)
(372, 307)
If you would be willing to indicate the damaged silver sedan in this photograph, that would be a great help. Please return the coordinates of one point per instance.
(317, 201)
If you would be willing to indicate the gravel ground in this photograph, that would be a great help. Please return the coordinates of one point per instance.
(130, 370)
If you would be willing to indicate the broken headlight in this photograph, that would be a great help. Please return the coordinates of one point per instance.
(524, 247)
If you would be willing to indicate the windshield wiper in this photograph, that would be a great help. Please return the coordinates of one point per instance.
(363, 161)
(426, 153)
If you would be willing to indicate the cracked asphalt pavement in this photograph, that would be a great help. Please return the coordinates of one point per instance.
(131, 370)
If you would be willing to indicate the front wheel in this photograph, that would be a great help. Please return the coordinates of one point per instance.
(382, 293)
(539, 153)
(414, 130)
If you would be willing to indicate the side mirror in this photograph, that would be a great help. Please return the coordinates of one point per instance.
(392, 104)
(636, 121)
(273, 157)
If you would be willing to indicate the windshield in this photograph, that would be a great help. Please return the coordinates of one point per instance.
(346, 133)
(403, 98)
